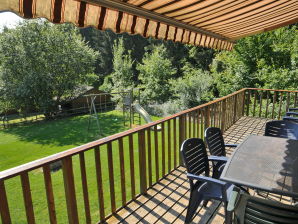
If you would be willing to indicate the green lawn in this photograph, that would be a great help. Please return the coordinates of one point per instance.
(22, 144)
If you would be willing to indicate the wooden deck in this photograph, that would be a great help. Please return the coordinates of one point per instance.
(166, 201)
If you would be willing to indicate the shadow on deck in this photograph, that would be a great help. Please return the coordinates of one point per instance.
(167, 200)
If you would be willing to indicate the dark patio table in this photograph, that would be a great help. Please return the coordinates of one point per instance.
(265, 163)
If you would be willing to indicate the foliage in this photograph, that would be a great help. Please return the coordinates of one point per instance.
(155, 72)
(193, 88)
(42, 64)
(122, 75)
(261, 60)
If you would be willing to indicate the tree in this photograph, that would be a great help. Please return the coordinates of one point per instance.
(193, 88)
(42, 64)
(122, 75)
(265, 60)
(155, 72)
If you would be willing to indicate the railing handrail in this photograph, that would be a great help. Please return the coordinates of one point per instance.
(275, 90)
(9, 173)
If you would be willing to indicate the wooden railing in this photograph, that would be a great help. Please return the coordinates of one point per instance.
(100, 177)
(269, 103)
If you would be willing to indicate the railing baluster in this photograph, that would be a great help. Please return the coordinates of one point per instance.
(189, 125)
(99, 183)
(247, 102)
(169, 145)
(267, 103)
(202, 123)
(280, 104)
(132, 167)
(288, 101)
(181, 134)
(149, 156)
(235, 109)
(156, 153)
(195, 135)
(49, 193)
(255, 101)
(163, 150)
(111, 175)
(199, 123)
(142, 162)
(85, 187)
(122, 170)
(273, 106)
(261, 100)
(175, 142)
(223, 115)
(4, 209)
(70, 192)
(295, 100)
(27, 198)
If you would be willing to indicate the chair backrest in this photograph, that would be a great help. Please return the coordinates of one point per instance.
(251, 209)
(215, 141)
(282, 129)
(194, 156)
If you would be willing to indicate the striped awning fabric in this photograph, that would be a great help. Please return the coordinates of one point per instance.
(210, 23)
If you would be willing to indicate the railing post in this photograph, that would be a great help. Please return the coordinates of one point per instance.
(70, 193)
(142, 162)
(181, 134)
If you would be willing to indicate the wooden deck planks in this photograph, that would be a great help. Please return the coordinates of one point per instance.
(167, 200)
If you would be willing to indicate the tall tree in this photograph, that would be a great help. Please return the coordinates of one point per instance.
(42, 64)
(155, 72)
(122, 75)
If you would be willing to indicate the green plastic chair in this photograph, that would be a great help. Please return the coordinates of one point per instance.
(253, 210)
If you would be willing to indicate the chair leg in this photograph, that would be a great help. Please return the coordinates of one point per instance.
(194, 202)
(228, 215)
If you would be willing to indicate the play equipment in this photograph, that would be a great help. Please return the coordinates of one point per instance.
(97, 104)
(139, 109)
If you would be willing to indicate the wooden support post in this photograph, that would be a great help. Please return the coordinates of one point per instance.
(142, 162)
(70, 192)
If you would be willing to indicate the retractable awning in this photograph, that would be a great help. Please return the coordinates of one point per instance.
(210, 23)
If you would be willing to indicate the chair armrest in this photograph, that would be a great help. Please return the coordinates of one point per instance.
(231, 145)
(293, 109)
(218, 158)
(233, 200)
(287, 118)
(291, 113)
(206, 179)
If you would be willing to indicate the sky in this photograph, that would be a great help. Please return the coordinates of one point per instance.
(9, 19)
